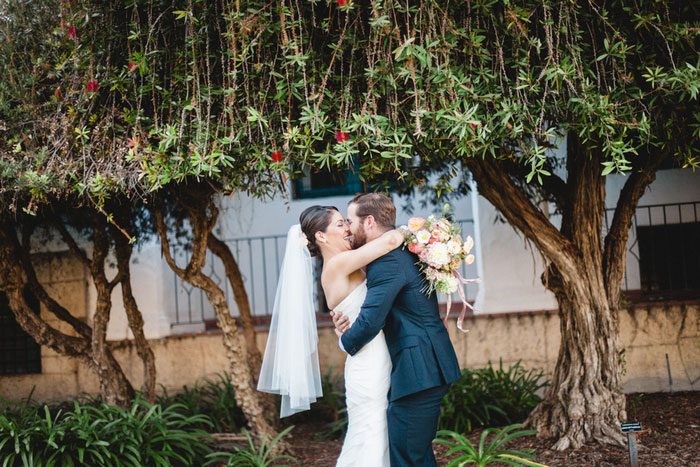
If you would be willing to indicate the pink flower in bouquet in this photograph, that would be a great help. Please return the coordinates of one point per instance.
(416, 248)
(432, 240)
(415, 224)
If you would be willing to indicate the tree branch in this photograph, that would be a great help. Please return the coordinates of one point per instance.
(31, 281)
(616, 240)
(220, 249)
(123, 252)
(13, 282)
(72, 244)
(165, 245)
(497, 187)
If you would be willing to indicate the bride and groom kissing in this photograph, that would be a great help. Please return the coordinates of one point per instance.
(400, 359)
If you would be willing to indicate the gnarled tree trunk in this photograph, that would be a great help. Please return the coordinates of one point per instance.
(202, 216)
(245, 319)
(585, 400)
(123, 252)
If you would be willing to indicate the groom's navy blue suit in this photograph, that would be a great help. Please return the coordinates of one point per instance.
(423, 359)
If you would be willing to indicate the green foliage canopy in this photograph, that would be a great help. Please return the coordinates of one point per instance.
(128, 96)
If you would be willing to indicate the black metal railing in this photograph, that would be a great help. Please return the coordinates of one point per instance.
(663, 249)
(260, 259)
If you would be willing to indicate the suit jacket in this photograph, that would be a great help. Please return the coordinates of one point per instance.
(420, 348)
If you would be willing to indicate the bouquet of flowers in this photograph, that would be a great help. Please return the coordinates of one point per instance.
(438, 243)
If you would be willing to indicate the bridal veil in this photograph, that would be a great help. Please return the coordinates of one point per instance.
(290, 365)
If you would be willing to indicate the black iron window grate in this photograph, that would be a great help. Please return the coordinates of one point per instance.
(19, 353)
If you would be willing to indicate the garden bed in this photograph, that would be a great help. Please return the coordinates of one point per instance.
(672, 439)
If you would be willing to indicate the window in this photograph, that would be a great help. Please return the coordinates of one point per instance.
(669, 257)
(322, 183)
(19, 353)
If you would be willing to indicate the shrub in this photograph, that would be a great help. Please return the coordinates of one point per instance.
(100, 434)
(485, 397)
(485, 454)
(214, 401)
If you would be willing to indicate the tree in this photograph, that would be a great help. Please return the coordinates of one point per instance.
(88, 122)
(146, 95)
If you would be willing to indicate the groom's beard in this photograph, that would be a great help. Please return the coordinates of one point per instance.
(359, 238)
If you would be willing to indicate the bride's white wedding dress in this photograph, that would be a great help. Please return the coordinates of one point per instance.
(367, 379)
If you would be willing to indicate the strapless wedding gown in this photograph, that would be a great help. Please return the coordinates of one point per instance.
(367, 379)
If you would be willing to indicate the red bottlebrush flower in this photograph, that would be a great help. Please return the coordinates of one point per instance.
(342, 2)
(341, 136)
(276, 156)
(72, 34)
(92, 86)
(132, 66)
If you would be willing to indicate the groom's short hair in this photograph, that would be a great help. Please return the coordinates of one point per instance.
(377, 205)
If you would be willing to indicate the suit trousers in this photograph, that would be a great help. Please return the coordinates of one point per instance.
(412, 424)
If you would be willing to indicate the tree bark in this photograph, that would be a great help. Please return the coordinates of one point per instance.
(202, 223)
(113, 382)
(245, 318)
(585, 400)
(123, 251)
(233, 273)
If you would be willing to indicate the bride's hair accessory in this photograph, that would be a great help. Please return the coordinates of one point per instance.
(290, 365)
(303, 241)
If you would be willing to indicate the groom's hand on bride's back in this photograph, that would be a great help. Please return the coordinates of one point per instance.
(341, 322)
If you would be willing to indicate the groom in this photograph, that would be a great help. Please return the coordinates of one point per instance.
(424, 362)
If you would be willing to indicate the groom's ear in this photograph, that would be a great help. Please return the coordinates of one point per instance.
(370, 223)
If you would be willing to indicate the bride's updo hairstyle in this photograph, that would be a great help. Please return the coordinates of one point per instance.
(315, 219)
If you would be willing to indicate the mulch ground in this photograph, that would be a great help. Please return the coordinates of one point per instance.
(671, 438)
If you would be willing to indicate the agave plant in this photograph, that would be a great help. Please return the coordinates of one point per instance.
(484, 454)
(251, 456)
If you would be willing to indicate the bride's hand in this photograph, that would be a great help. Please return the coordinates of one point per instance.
(341, 322)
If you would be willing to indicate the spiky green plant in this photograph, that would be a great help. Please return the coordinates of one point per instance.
(252, 456)
(484, 454)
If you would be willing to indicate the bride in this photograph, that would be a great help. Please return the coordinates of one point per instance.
(290, 365)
